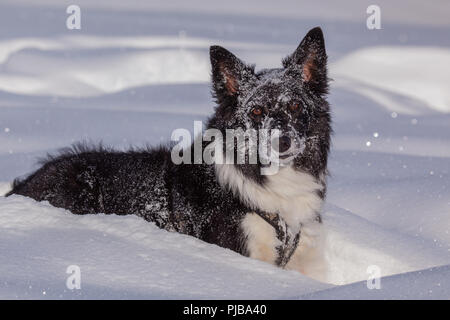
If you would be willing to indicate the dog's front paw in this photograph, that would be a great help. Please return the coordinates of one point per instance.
(288, 239)
(289, 242)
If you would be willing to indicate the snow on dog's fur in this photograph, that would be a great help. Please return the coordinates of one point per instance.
(218, 203)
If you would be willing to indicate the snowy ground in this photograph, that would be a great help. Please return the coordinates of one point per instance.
(137, 70)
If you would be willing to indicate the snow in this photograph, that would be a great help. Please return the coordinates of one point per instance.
(387, 70)
(124, 257)
(430, 283)
(138, 70)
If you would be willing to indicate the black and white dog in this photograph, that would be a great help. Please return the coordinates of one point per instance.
(275, 218)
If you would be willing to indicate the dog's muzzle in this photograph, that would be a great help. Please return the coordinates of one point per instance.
(282, 148)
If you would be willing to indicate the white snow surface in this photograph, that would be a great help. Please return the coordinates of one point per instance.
(138, 70)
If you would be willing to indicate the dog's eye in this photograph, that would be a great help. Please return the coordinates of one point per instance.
(294, 107)
(257, 111)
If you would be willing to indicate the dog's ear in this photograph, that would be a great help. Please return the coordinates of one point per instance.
(311, 58)
(228, 72)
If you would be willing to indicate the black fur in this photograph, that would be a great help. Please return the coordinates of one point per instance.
(183, 198)
(189, 198)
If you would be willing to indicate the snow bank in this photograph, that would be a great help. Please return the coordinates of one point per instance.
(354, 244)
(433, 283)
(414, 72)
(125, 257)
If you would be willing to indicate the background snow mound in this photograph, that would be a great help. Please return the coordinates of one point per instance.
(36, 72)
(421, 73)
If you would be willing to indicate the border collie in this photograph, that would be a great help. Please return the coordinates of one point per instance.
(271, 217)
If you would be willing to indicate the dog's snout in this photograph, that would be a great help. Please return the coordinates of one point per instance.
(284, 144)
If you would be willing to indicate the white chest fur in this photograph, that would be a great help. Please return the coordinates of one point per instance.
(290, 193)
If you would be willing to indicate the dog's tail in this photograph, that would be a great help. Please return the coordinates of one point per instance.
(14, 186)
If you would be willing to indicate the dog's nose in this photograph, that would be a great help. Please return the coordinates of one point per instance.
(285, 144)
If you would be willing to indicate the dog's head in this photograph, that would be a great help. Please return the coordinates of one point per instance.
(290, 99)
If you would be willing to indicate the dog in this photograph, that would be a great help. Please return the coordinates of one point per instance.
(271, 217)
